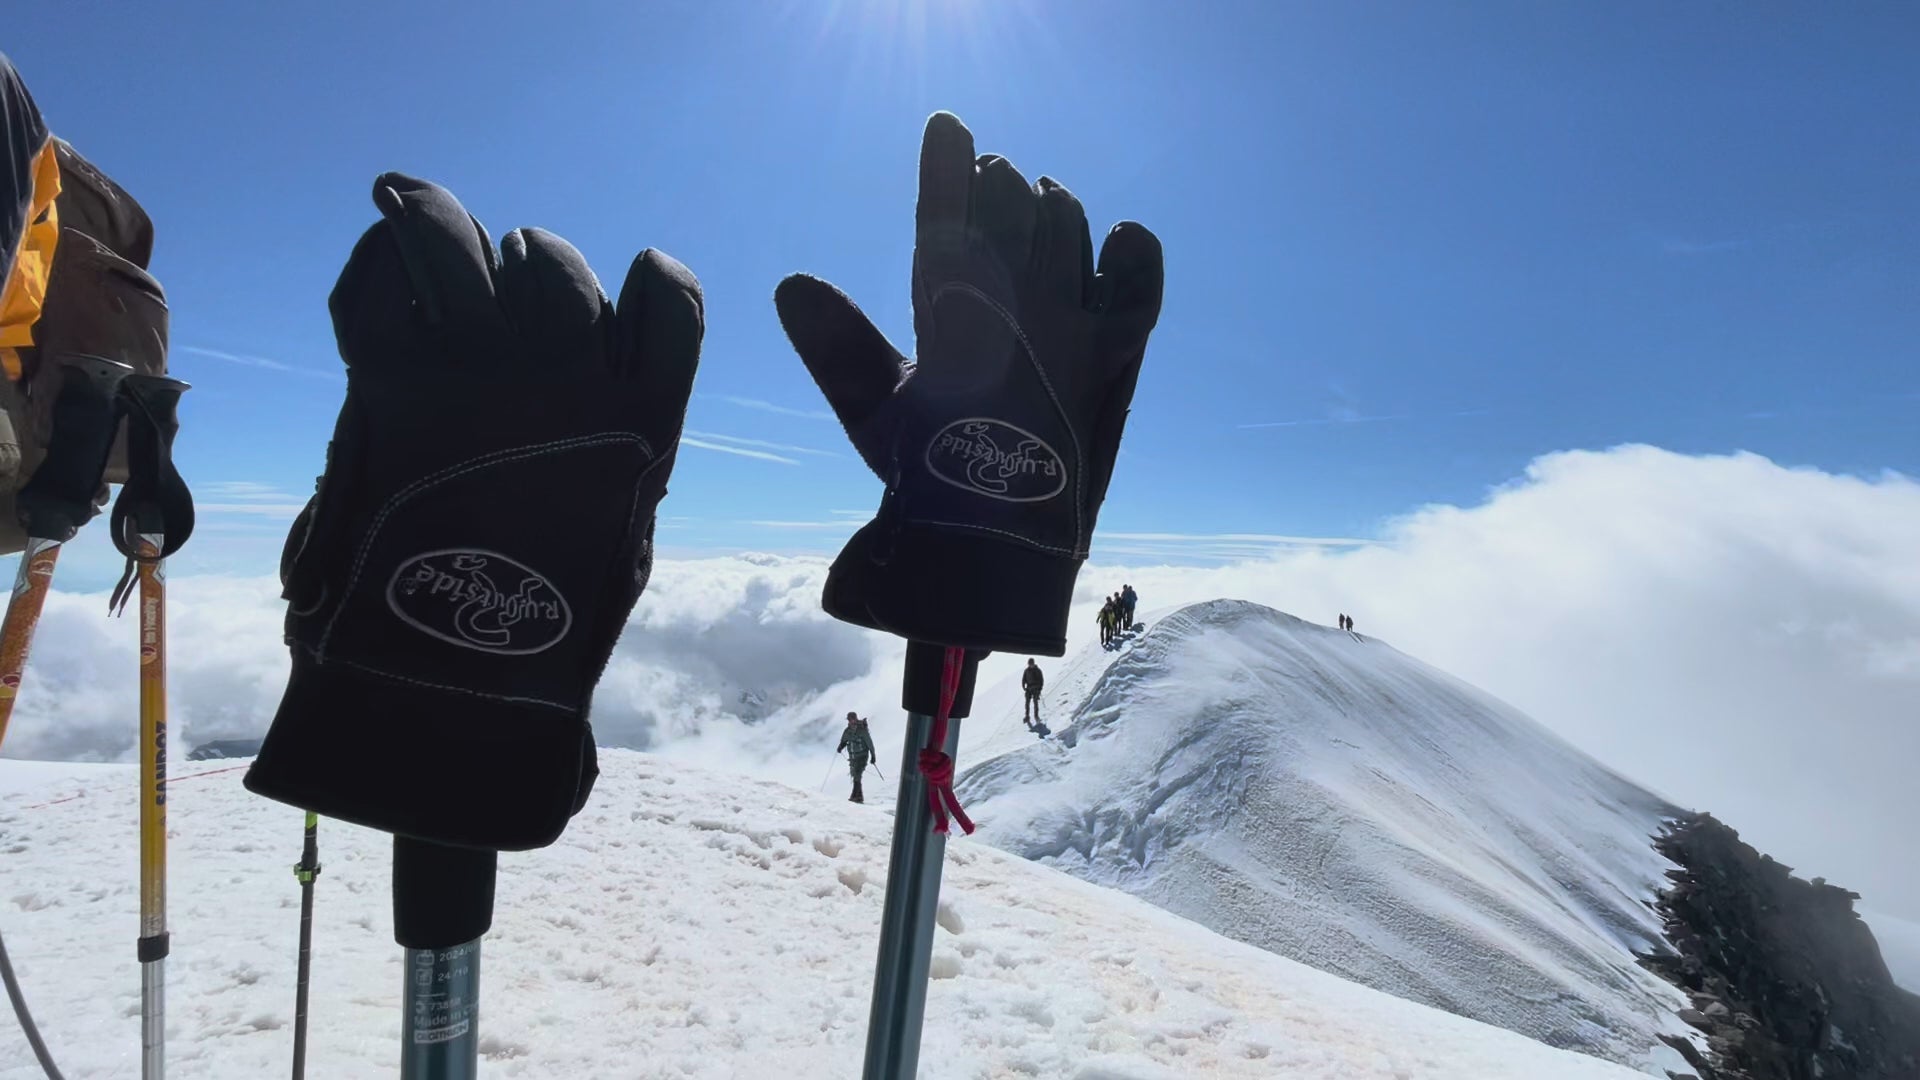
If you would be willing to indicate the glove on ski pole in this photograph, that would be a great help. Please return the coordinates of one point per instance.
(997, 443)
(483, 528)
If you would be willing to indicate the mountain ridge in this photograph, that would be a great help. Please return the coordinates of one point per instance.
(1319, 794)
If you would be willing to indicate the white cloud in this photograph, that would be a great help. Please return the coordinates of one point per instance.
(1250, 538)
(263, 363)
(737, 451)
(736, 440)
(771, 407)
(1742, 637)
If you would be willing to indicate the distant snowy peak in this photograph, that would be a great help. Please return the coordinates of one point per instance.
(1318, 793)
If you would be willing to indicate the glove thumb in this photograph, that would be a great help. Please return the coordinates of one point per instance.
(851, 361)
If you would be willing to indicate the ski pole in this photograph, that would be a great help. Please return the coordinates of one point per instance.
(140, 531)
(307, 870)
(56, 501)
(938, 689)
(154, 941)
(442, 906)
(875, 766)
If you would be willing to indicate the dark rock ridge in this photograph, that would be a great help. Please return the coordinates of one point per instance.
(220, 749)
(1787, 981)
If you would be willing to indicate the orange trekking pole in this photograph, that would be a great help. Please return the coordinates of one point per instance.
(57, 501)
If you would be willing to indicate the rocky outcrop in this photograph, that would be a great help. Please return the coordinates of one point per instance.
(219, 749)
(1787, 981)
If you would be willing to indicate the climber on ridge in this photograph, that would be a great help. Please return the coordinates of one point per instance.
(858, 744)
(1032, 682)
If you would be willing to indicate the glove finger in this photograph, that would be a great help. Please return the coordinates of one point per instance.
(1129, 284)
(946, 184)
(372, 303)
(852, 362)
(451, 264)
(1005, 211)
(1063, 249)
(551, 297)
(660, 325)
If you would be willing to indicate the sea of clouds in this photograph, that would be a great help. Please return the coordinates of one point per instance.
(1740, 636)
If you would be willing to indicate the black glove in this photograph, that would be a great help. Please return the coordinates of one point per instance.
(997, 445)
(483, 529)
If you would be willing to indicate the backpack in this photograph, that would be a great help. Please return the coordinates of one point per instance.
(97, 291)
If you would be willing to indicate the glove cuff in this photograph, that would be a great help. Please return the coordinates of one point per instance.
(946, 586)
(424, 762)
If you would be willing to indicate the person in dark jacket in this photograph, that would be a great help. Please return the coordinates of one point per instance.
(858, 744)
(1032, 682)
(1128, 600)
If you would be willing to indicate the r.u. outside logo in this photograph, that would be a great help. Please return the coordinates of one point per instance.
(996, 459)
(479, 600)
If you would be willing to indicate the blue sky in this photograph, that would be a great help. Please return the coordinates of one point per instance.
(1410, 247)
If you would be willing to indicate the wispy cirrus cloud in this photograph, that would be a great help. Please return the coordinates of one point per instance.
(263, 363)
(737, 451)
(1274, 539)
(760, 444)
(248, 498)
(771, 407)
(1350, 416)
(844, 523)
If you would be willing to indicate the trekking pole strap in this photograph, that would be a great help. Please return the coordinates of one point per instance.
(154, 500)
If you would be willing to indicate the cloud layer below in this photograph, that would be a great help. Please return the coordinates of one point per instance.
(1740, 636)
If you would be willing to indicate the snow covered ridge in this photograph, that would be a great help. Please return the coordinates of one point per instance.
(1321, 795)
(689, 925)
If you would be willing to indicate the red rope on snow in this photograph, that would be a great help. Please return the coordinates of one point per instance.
(935, 765)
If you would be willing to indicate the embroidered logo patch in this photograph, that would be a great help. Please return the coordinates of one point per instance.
(479, 600)
(996, 459)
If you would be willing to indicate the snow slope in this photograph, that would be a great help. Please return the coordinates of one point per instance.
(689, 924)
(1321, 795)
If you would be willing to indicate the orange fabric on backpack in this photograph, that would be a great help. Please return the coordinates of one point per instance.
(26, 288)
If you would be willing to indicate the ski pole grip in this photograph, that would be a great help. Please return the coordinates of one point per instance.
(920, 690)
(154, 498)
(60, 496)
(442, 896)
(158, 398)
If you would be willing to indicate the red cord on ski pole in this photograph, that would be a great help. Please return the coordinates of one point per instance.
(935, 765)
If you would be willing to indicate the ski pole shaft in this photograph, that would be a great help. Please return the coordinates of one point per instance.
(153, 944)
(442, 906)
(307, 870)
(30, 588)
(442, 1004)
(907, 921)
